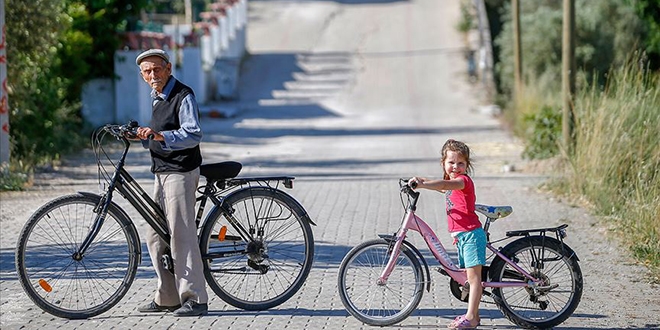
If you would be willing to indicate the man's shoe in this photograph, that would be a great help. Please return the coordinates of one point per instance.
(192, 308)
(153, 307)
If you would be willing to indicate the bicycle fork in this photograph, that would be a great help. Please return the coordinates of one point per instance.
(96, 226)
(396, 244)
(393, 251)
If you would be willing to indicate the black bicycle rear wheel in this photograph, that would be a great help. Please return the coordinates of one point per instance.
(264, 264)
(57, 280)
(555, 299)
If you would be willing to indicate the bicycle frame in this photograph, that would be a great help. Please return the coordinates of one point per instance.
(128, 187)
(413, 222)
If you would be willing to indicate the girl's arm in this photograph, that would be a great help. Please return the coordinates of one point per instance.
(439, 185)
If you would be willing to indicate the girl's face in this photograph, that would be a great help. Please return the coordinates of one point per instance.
(454, 164)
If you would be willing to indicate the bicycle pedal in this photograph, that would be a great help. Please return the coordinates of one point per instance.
(166, 261)
(442, 271)
(465, 291)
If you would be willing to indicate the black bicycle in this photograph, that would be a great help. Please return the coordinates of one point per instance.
(77, 255)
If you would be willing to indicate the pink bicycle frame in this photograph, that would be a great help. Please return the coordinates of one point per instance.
(413, 222)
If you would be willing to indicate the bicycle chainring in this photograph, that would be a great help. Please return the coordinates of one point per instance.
(460, 292)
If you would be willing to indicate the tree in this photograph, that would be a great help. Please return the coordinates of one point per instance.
(649, 12)
(53, 48)
(598, 45)
(41, 121)
(88, 47)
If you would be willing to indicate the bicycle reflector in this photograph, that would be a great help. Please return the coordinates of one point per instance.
(222, 233)
(562, 233)
(44, 285)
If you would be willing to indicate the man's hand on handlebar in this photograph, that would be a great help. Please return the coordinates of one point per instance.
(146, 133)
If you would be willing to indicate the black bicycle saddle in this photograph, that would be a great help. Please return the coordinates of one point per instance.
(220, 171)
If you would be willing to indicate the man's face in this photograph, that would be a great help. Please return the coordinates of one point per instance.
(155, 71)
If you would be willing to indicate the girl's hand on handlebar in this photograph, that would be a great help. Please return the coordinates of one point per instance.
(414, 182)
(146, 133)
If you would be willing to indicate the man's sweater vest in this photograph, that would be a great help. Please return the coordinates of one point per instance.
(165, 117)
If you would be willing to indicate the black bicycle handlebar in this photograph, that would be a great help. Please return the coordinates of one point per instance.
(122, 131)
(408, 188)
(128, 130)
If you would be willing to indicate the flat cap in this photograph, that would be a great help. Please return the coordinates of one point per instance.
(152, 52)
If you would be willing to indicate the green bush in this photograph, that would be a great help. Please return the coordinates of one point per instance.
(649, 12)
(11, 179)
(543, 133)
(466, 23)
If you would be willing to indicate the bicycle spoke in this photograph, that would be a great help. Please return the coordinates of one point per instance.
(276, 260)
(373, 303)
(61, 284)
(558, 293)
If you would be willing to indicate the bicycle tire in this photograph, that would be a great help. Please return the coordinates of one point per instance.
(280, 258)
(54, 280)
(374, 304)
(548, 309)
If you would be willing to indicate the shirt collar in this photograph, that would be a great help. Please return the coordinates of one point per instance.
(166, 90)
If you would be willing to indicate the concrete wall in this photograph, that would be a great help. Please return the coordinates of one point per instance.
(207, 58)
(132, 94)
(98, 102)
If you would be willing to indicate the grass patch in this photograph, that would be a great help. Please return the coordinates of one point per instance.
(616, 164)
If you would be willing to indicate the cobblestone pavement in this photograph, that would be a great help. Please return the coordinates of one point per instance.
(348, 96)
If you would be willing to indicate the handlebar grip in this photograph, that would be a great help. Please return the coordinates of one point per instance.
(151, 136)
(413, 185)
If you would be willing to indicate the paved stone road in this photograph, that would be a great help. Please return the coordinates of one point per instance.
(348, 96)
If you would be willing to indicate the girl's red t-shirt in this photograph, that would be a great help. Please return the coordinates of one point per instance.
(461, 216)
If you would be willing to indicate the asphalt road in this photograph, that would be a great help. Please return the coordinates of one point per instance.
(348, 96)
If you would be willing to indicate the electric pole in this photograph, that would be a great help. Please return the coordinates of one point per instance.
(517, 49)
(568, 75)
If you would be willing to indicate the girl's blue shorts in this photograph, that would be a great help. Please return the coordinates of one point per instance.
(471, 247)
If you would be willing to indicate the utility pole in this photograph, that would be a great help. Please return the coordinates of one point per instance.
(4, 104)
(517, 49)
(188, 12)
(568, 75)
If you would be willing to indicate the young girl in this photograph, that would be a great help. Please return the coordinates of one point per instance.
(463, 222)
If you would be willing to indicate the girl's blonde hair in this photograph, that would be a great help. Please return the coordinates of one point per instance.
(459, 147)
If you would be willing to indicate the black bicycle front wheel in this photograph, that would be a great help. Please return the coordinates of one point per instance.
(63, 283)
(554, 300)
(257, 248)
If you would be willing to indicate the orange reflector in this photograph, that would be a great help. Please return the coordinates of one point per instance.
(44, 285)
(222, 233)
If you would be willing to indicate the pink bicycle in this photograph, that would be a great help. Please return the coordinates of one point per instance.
(535, 280)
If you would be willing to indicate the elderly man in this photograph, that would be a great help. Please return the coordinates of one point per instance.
(173, 138)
